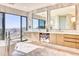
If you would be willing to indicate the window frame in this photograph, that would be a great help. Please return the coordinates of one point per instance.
(3, 24)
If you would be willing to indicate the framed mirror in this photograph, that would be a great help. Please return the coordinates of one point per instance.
(39, 20)
(63, 18)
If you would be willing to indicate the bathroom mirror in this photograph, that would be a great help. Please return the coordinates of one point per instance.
(63, 18)
(39, 20)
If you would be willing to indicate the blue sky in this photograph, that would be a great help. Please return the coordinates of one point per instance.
(13, 21)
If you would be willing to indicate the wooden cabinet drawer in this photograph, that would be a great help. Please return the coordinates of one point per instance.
(70, 44)
(69, 36)
(77, 45)
(71, 41)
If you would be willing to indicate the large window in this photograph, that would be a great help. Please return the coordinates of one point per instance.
(1, 28)
(12, 26)
(16, 26)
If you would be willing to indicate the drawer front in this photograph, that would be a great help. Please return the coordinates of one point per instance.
(70, 44)
(71, 41)
(69, 36)
(77, 45)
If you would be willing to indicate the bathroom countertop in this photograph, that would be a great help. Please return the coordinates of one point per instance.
(58, 32)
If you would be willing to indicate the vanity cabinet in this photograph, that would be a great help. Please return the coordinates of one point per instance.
(52, 38)
(35, 36)
(68, 40)
(77, 41)
(32, 36)
(71, 41)
(70, 44)
(59, 39)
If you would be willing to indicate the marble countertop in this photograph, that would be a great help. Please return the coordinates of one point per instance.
(58, 32)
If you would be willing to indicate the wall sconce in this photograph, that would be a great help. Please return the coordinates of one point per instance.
(73, 19)
(51, 22)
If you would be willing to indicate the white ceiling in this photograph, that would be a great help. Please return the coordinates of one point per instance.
(27, 6)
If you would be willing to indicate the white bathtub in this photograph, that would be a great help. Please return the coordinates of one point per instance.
(26, 47)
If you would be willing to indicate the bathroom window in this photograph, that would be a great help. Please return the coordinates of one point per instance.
(12, 26)
(1, 27)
